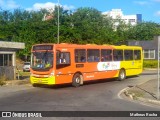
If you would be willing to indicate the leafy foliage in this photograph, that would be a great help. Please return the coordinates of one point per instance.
(150, 63)
(144, 31)
(83, 26)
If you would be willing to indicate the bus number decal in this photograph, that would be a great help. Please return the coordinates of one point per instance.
(102, 66)
(79, 65)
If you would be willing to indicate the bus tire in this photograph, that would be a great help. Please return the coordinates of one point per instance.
(34, 85)
(122, 75)
(77, 80)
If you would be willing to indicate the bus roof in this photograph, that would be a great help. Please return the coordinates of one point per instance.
(68, 45)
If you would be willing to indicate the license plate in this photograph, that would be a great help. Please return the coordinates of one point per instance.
(39, 81)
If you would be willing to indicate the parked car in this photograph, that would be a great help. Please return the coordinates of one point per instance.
(26, 67)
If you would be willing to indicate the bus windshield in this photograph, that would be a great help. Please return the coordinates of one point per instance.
(42, 60)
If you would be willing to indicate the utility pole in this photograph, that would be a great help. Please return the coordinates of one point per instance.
(58, 24)
(158, 39)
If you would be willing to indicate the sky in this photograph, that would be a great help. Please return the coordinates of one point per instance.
(150, 9)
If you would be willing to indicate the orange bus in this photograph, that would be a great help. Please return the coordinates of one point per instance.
(53, 64)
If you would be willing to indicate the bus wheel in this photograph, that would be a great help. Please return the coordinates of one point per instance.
(76, 81)
(122, 75)
(34, 85)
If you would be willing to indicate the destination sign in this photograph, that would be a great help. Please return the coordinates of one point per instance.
(43, 47)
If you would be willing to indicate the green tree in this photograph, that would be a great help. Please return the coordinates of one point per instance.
(86, 24)
(144, 31)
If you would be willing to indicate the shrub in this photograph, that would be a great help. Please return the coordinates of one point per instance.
(150, 63)
(3, 80)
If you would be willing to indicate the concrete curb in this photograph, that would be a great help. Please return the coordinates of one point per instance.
(149, 100)
(150, 69)
(130, 95)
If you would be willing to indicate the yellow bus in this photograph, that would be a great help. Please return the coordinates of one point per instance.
(53, 64)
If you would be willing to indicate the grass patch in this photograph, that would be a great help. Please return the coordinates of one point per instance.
(150, 63)
(24, 73)
(136, 94)
(20, 75)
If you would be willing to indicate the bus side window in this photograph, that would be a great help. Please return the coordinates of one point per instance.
(118, 55)
(128, 55)
(67, 57)
(93, 55)
(63, 57)
(137, 54)
(106, 55)
(80, 55)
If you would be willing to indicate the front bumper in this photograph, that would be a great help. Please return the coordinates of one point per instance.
(43, 80)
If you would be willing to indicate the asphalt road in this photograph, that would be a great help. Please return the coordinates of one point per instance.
(99, 96)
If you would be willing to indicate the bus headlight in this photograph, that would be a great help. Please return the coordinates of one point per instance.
(52, 74)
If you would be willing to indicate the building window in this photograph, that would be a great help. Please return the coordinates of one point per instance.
(149, 54)
(5, 59)
(132, 20)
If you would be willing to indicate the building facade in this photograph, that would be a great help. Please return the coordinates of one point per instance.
(8, 58)
(128, 19)
(150, 48)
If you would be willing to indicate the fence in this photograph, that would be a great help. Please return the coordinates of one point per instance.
(7, 71)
